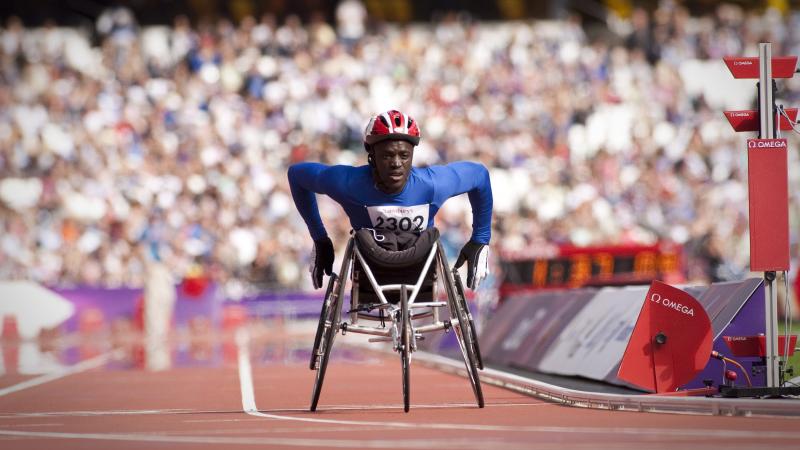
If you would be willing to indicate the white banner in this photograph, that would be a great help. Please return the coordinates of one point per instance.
(593, 342)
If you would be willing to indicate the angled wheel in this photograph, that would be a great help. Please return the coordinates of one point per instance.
(330, 318)
(329, 328)
(323, 315)
(463, 336)
(405, 347)
(474, 333)
(462, 329)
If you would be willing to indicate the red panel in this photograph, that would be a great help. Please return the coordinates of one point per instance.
(748, 120)
(682, 321)
(747, 67)
(769, 204)
(750, 346)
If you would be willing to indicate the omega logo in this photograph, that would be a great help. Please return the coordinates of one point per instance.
(656, 298)
(757, 143)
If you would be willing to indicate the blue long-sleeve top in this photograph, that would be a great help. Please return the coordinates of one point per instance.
(411, 209)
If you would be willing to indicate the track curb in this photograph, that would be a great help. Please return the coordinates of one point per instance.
(714, 406)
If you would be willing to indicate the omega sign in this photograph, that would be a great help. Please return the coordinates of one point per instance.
(767, 143)
(657, 298)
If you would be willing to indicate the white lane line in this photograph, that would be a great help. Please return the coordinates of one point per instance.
(245, 371)
(472, 443)
(249, 406)
(124, 412)
(82, 366)
(316, 443)
(262, 431)
(427, 406)
(221, 420)
(352, 443)
(33, 425)
(389, 407)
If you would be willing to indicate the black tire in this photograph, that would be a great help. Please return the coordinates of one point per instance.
(462, 330)
(323, 316)
(330, 327)
(463, 298)
(326, 342)
(405, 350)
(464, 335)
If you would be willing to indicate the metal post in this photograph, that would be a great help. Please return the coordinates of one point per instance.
(765, 94)
(767, 131)
(771, 334)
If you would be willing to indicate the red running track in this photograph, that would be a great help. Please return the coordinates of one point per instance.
(98, 405)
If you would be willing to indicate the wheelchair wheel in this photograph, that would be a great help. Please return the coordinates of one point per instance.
(405, 347)
(329, 326)
(323, 316)
(463, 300)
(464, 336)
(462, 330)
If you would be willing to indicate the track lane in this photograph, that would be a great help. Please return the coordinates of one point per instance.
(361, 406)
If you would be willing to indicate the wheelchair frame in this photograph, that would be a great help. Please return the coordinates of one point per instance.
(401, 330)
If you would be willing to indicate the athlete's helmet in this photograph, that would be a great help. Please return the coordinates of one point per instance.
(391, 125)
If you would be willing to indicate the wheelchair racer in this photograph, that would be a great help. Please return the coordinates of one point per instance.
(391, 195)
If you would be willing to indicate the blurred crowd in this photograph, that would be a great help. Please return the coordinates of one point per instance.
(122, 144)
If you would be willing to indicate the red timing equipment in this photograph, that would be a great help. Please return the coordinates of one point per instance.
(748, 120)
(768, 196)
(747, 67)
(671, 341)
(750, 346)
(768, 193)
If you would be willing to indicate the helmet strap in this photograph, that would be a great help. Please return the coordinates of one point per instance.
(371, 159)
(373, 169)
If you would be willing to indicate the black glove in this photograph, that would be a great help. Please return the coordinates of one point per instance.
(323, 260)
(477, 257)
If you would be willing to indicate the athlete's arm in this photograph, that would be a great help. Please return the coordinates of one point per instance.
(306, 179)
(471, 178)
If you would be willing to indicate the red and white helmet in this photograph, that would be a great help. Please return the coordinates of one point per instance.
(391, 125)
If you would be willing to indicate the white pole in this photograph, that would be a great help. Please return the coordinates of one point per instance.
(765, 91)
(767, 117)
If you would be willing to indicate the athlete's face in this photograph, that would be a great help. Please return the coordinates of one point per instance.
(392, 164)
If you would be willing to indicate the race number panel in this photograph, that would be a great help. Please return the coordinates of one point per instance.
(399, 218)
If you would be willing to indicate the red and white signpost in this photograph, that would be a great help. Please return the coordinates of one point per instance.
(767, 183)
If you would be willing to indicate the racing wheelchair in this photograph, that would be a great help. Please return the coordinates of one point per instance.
(396, 291)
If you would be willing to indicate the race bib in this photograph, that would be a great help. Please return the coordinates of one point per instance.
(399, 218)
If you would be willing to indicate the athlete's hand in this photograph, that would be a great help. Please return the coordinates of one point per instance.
(477, 257)
(322, 257)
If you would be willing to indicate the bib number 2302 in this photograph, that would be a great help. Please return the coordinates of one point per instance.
(399, 218)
